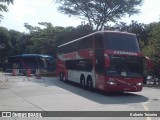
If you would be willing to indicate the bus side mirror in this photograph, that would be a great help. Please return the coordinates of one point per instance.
(148, 62)
(107, 61)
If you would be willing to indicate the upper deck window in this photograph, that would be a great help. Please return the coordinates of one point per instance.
(121, 42)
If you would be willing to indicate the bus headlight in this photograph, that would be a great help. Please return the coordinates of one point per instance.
(111, 83)
(139, 84)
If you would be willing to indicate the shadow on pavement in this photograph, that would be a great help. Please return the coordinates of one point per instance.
(96, 96)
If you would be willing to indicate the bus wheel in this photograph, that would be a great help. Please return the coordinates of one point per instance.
(82, 81)
(60, 76)
(63, 77)
(90, 84)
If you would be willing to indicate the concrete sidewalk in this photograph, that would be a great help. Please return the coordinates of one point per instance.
(49, 94)
(2, 79)
(10, 100)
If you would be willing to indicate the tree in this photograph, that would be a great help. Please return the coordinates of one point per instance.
(153, 49)
(43, 41)
(140, 29)
(71, 33)
(7, 1)
(99, 12)
(4, 45)
(46, 40)
(3, 6)
(15, 40)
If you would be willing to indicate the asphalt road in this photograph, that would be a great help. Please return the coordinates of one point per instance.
(50, 94)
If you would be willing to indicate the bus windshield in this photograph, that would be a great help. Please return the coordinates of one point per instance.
(121, 42)
(126, 66)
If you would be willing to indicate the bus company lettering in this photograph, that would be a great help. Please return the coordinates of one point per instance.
(69, 56)
(124, 53)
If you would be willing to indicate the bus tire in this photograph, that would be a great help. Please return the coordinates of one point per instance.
(63, 77)
(60, 76)
(90, 83)
(82, 81)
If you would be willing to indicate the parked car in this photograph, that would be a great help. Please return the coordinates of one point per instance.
(151, 80)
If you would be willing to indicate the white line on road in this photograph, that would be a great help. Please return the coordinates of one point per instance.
(146, 109)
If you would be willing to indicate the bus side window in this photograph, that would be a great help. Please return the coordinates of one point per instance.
(86, 43)
(60, 50)
(98, 41)
(71, 47)
(42, 63)
(66, 49)
(77, 45)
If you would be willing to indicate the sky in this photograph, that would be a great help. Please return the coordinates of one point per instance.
(34, 11)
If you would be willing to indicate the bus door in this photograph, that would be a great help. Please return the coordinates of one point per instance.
(99, 60)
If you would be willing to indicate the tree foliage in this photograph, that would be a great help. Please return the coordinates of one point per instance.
(3, 6)
(7, 1)
(4, 45)
(140, 29)
(45, 39)
(99, 12)
(153, 48)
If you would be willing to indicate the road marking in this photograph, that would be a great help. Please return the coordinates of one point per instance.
(146, 109)
(2, 82)
(145, 106)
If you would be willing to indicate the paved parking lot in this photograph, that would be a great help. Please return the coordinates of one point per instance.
(50, 94)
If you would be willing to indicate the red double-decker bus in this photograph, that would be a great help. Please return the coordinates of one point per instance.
(106, 60)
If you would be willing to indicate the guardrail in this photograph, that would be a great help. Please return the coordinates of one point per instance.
(24, 74)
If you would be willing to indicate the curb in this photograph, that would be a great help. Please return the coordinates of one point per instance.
(152, 86)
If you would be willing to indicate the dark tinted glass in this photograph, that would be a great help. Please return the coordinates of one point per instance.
(121, 42)
(131, 66)
(81, 44)
(98, 41)
(79, 65)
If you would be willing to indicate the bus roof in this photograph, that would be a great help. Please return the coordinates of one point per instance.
(99, 32)
(32, 55)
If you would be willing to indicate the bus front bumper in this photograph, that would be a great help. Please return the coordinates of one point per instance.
(111, 87)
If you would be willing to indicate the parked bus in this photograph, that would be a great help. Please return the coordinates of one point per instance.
(22, 62)
(106, 60)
